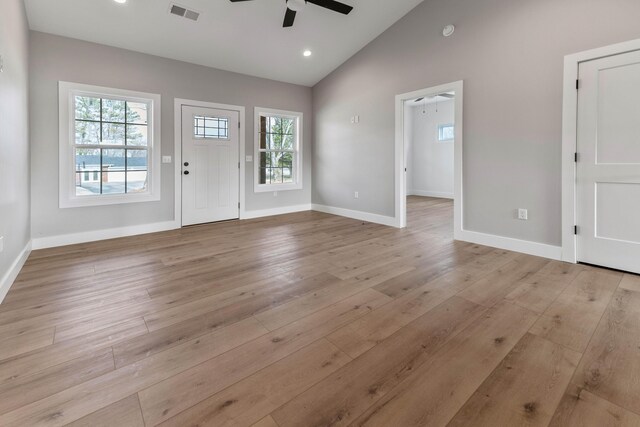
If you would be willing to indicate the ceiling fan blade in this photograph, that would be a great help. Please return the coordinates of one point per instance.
(289, 17)
(333, 5)
(419, 99)
(447, 95)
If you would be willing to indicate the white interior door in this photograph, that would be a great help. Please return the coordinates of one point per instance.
(210, 165)
(608, 170)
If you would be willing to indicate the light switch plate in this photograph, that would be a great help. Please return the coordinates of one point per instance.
(166, 159)
(248, 159)
(1, 243)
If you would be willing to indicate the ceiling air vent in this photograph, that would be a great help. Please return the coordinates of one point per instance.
(184, 12)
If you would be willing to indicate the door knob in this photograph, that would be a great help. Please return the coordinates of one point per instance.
(186, 172)
(186, 163)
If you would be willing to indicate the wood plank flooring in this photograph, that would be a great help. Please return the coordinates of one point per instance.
(310, 319)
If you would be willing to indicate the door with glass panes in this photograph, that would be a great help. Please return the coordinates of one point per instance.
(210, 165)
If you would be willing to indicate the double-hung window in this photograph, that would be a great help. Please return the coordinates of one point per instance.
(109, 146)
(278, 150)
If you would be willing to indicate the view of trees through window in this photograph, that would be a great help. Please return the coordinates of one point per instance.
(111, 146)
(277, 148)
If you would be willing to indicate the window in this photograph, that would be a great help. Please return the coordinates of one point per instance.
(446, 132)
(211, 127)
(278, 147)
(109, 146)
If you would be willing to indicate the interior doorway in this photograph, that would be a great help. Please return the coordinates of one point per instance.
(429, 147)
(429, 133)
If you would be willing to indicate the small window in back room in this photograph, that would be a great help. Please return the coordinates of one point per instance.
(446, 132)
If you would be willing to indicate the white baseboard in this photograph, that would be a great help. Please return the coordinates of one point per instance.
(424, 193)
(510, 244)
(96, 235)
(275, 211)
(359, 215)
(113, 233)
(10, 276)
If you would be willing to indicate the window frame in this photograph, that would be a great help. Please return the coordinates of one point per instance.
(446, 125)
(67, 173)
(297, 152)
(198, 137)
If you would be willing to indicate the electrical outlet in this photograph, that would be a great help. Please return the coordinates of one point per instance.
(356, 195)
(275, 194)
(523, 214)
(357, 119)
(166, 159)
(248, 159)
(1, 243)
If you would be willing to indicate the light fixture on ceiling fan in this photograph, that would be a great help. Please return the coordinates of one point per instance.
(294, 6)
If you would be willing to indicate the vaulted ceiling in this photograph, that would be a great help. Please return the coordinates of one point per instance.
(245, 37)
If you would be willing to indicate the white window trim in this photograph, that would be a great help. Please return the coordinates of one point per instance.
(67, 192)
(297, 158)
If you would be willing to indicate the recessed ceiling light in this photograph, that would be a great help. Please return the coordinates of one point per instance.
(120, 1)
(307, 52)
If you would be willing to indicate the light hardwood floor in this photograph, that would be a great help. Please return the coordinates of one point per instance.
(316, 320)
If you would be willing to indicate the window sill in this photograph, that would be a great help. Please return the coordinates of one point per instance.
(88, 201)
(267, 188)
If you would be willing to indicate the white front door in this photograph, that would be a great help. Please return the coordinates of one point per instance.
(210, 165)
(608, 170)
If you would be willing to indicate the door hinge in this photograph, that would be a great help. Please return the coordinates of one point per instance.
(238, 124)
(575, 157)
(575, 230)
(238, 205)
(578, 84)
(238, 165)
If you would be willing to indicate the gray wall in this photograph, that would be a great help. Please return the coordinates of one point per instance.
(14, 133)
(56, 58)
(510, 55)
(430, 162)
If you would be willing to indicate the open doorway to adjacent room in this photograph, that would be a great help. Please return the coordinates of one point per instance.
(429, 134)
(431, 141)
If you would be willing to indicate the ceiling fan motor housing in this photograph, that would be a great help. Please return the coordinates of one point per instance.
(293, 6)
(296, 5)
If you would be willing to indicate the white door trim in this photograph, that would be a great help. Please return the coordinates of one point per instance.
(177, 151)
(400, 219)
(570, 138)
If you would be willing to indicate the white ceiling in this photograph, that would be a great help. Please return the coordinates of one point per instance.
(245, 37)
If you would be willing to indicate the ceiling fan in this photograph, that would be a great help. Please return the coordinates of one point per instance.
(293, 6)
(443, 95)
